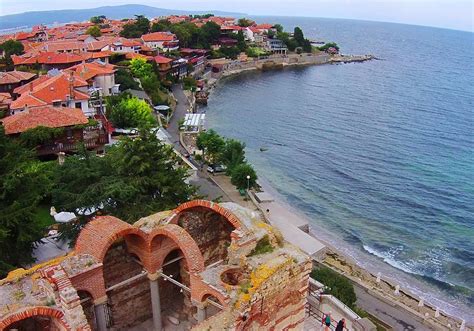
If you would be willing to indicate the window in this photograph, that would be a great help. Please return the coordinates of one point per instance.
(78, 105)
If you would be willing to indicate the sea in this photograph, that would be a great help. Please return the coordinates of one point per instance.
(379, 156)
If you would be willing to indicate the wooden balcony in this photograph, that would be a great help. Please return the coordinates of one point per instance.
(91, 143)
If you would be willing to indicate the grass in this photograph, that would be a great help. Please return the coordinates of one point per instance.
(43, 217)
(263, 246)
(362, 313)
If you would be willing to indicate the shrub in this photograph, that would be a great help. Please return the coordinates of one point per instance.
(338, 285)
(263, 246)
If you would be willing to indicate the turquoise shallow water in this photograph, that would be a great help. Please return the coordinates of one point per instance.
(379, 155)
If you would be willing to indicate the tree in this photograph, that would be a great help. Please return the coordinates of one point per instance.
(10, 47)
(278, 27)
(232, 154)
(326, 46)
(337, 285)
(136, 178)
(211, 144)
(161, 25)
(239, 176)
(209, 33)
(131, 113)
(137, 28)
(126, 81)
(298, 36)
(241, 45)
(94, 31)
(140, 67)
(97, 19)
(245, 22)
(24, 183)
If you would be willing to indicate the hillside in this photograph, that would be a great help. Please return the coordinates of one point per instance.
(69, 15)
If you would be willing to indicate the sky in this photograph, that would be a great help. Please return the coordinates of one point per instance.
(453, 14)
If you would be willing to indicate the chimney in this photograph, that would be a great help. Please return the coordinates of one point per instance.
(71, 85)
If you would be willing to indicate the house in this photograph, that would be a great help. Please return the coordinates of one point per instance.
(5, 101)
(164, 65)
(12, 79)
(71, 120)
(98, 75)
(115, 45)
(166, 41)
(276, 46)
(58, 89)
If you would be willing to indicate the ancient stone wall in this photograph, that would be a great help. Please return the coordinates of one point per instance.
(210, 230)
(279, 302)
(130, 303)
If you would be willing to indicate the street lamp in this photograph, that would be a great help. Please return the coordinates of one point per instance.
(248, 185)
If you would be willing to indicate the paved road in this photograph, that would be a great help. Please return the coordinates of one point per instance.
(398, 318)
(206, 187)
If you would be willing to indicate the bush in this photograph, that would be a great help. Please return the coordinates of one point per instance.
(263, 246)
(338, 285)
(126, 81)
(189, 83)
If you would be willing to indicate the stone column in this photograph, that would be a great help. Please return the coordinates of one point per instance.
(99, 309)
(201, 311)
(155, 300)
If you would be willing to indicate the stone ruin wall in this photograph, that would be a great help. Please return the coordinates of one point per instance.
(131, 303)
(279, 304)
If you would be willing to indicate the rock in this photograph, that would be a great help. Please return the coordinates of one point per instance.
(173, 320)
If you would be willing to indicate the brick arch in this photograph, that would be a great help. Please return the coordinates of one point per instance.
(185, 243)
(227, 214)
(210, 292)
(32, 312)
(99, 234)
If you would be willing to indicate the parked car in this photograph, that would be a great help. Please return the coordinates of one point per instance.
(216, 168)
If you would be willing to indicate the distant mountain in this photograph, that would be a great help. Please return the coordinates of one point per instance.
(77, 15)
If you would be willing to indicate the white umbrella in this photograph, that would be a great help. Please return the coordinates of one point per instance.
(64, 217)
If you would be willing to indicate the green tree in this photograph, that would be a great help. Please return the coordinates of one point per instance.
(209, 34)
(241, 44)
(10, 47)
(37, 136)
(337, 285)
(278, 27)
(94, 31)
(140, 67)
(211, 143)
(137, 177)
(232, 154)
(239, 176)
(97, 19)
(245, 22)
(298, 36)
(137, 28)
(131, 113)
(161, 25)
(24, 183)
(126, 81)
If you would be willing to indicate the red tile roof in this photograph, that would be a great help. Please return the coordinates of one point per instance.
(159, 36)
(47, 58)
(15, 77)
(56, 88)
(48, 116)
(162, 59)
(88, 71)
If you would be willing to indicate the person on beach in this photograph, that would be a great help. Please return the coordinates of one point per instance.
(326, 321)
(341, 325)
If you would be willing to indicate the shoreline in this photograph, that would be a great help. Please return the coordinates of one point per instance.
(345, 263)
